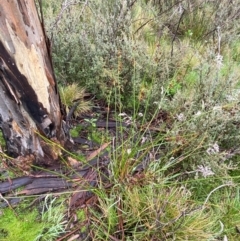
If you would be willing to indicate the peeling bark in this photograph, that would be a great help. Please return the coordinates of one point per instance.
(29, 101)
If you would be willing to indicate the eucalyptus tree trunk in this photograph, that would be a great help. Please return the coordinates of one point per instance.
(29, 101)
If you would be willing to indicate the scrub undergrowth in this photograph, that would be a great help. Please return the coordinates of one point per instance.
(170, 70)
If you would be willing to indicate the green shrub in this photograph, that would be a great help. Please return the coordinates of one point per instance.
(113, 48)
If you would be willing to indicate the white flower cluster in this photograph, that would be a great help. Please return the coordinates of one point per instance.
(205, 171)
(127, 119)
(198, 113)
(213, 149)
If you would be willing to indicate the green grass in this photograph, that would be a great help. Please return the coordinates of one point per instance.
(2, 141)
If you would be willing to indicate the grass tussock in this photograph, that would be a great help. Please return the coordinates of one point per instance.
(72, 94)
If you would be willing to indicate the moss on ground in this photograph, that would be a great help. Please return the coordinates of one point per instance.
(19, 227)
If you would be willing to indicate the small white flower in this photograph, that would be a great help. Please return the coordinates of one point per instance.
(217, 108)
(140, 114)
(205, 171)
(129, 151)
(231, 98)
(225, 238)
(198, 113)
(122, 114)
(143, 139)
(127, 119)
(158, 104)
(210, 151)
(181, 117)
(213, 149)
(171, 159)
(216, 147)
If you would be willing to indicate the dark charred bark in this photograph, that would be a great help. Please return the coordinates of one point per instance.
(29, 101)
